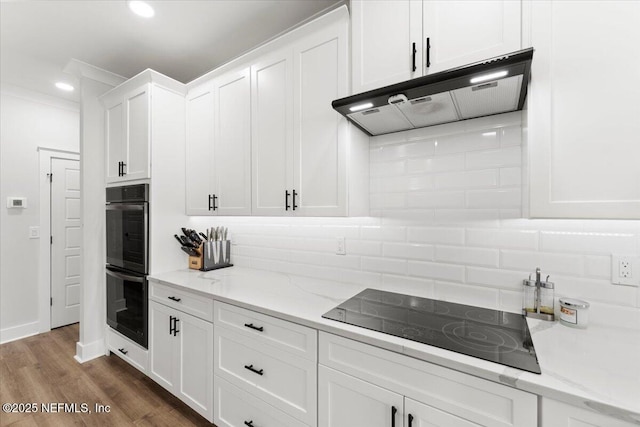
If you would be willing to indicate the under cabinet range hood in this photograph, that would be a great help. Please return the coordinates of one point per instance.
(496, 85)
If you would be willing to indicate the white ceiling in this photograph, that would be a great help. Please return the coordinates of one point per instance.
(184, 39)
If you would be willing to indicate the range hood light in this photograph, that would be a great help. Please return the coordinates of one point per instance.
(486, 77)
(361, 107)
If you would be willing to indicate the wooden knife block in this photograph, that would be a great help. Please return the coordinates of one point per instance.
(195, 262)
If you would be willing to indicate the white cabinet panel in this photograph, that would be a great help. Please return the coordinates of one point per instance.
(271, 132)
(137, 138)
(345, 401)
(421, 415)
(232, 143)
(583, 110)
(162, 368)
(384, 33)
(129, 351)
(114, 126)
(462, 32)
(199, 150)
(558, 414)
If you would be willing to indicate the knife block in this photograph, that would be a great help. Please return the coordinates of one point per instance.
(195, 262)
(216, 254)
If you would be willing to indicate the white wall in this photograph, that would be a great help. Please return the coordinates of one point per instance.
(447, 223)
(27, 121)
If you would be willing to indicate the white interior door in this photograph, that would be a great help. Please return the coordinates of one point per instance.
(65, 243)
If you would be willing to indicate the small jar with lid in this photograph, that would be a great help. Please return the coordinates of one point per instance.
(574, 312)
(530, 297)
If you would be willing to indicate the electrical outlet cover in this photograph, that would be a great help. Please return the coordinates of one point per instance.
(625, 270)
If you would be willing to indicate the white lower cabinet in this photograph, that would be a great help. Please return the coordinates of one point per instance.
(559, 414)
(361, 385)
(129, 351)
(181, 356)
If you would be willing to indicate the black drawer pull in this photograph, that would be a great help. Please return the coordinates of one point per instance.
(393, 416)
(124, 165)
(122, 350)
(410, 419)
(414, 51)
(254, 370)
(428, 52)
(255, 328)
(286, 200)
(249, 423)
(175, 299)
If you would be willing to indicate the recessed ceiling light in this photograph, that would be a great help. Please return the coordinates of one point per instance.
(64, 86)
(141, 8)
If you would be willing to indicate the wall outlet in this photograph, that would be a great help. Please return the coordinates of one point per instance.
(341, 249)
(625, 270)
(34, 232)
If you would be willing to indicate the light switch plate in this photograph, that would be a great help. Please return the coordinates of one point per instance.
(341, 247)
(625, 270)
(34, 232)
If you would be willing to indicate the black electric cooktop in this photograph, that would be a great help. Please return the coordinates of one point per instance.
(492, 335)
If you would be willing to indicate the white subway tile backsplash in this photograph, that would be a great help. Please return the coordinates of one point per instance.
(595, 290)
(408, 251)
(510, 156)
(467, 256)
(384, 234)
(387, 168)
(502, 199)
(436, 164)
(408, 285)
(384, 265)
(589, 242)
(470, 179)
(462, 143)
(324, 259)
(436, 199)
(401, 183)
(486, 218)
(548, 263)
(511, 301)
(510, 136)
(433, 270)
(496, 278)
(388, 201)
(447, 236)
(515, 239)
(363, 247)
(598, 266)
(511, 177)
(470, 295)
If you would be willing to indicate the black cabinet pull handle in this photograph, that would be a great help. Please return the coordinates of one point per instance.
(255, 328)
(286, 200)
(410, 420)
(294, 200)
(428, 52)
(210, 199)
(175, 299)
(124, 165)
(254, 370)
(414, 57)
(119, 168)
(123, 351)
(215, 207)
(249, 423)
(393, 416)
(171, 325)
(175, 326)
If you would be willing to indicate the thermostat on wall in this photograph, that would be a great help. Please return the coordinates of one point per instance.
(16, 202)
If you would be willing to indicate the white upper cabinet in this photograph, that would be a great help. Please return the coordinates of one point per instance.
(461, 32)
(272, 133)
(395, 41)
(384, 34)
(218, 153)
(127, 127)
(583, 110)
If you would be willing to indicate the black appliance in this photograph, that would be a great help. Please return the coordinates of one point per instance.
(492, 335)
(127, 227)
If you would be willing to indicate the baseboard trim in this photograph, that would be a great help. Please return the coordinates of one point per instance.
(86, 352)
(19, 332)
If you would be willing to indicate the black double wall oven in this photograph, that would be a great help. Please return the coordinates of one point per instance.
(127, 227)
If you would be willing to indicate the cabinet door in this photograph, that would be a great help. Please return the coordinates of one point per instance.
(558, 414)
(195, 361)
(137, 141)
(114, 140)
(421, 415)
(583, 110)
(232, 142)
(345, 401)
(384, 33)
(199, 151)
(271, 133)
(320, 140)
(162, 349)
(462, 32)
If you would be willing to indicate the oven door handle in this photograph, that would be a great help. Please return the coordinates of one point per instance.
(124, 207)
(123, 276)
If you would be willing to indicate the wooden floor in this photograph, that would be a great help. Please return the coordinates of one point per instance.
(41, 369)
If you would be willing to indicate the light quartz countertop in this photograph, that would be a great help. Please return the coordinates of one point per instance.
(596, 368)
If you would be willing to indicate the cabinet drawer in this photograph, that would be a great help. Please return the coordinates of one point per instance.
(281, 379)
(474, 399)
(132, 353)
(185, 301)
(234, 407)
(263, 329)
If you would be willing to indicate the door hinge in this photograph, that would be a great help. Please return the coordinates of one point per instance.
(50, 176)
(51, 302)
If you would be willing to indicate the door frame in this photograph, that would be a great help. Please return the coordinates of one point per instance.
(44, 274)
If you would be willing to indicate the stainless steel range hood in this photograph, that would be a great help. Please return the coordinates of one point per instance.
(497, 85)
